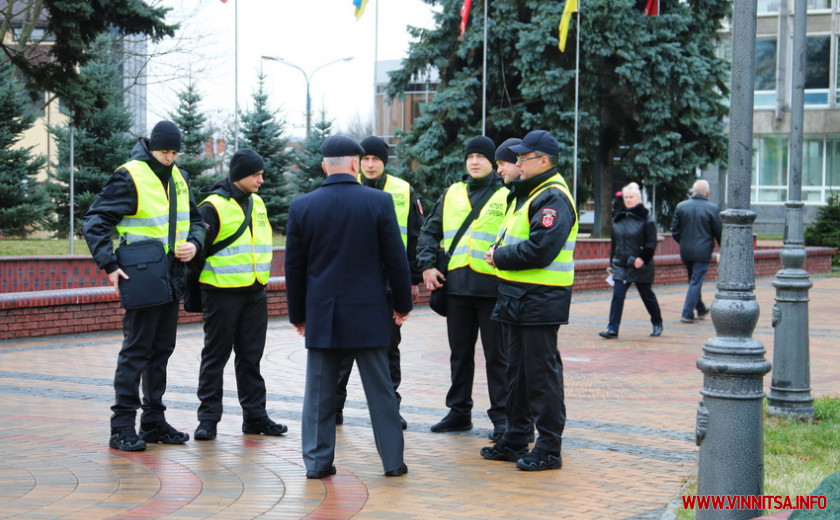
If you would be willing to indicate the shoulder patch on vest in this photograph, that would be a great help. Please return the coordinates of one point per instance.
(548, 217)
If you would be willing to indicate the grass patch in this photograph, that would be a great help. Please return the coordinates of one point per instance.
(41, 247)
(55, 246)
(798, 454)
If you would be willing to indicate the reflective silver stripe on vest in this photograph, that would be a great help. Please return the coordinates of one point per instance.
(244, 249)
(144, 222)
(475, 253)
(480, 235)
(562, 267)
(509, 240)
(235, 250)
(460, 250)
(449, 234)
(129, 238)
(236, 269)
(403, 230)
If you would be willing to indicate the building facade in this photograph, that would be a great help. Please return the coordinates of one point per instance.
(772, 116)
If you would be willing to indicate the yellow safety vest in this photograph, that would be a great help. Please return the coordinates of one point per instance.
(478, 238)
(401, 193)
(248, 258)
(151, 222)
(517, 229)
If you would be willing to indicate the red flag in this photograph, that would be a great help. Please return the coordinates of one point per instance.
(223, 1)
(652, 8)
(465, 16)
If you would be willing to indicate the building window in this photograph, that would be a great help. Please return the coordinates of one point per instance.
(770, 171)
(768, 6)
(819, 5)
(820, 168)
(837, 78)
(818, 65)
(765, 72)
(832, 170)
(812, 169)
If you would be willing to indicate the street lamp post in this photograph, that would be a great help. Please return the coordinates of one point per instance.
(307, 77)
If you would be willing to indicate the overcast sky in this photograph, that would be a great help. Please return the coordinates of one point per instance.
(307, 33)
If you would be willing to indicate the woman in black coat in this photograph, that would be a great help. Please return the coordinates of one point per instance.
(631, 257)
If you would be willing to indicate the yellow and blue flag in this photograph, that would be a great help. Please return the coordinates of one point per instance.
(360, 7)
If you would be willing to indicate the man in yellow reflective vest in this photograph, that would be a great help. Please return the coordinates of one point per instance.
(136, 203)
(533, 257)
(233, 297)
(506, 161)
(471, 283)
(409, 217)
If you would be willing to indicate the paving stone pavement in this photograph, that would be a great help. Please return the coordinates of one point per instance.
(628, 446)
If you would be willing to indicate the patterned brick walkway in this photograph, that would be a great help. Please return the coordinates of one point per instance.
(627, 451)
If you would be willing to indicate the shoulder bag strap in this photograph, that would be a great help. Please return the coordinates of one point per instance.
(485, 196)
(173, 213)
(215, 248)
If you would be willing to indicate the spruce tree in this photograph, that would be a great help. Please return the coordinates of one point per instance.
(101, 140)
(262, 130)
(652, 92)
(23, 201)
(309, 175)
(194, 136)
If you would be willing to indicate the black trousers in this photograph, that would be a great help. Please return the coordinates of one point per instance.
(148, 342)
(349, 355)
(617, 303)
(536, 395)
(467, 316)
(233, 321)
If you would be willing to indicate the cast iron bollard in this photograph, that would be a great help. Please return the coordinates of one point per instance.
(790, 387)
(730, 420)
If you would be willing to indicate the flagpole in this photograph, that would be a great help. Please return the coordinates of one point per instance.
(577, 102)
(484, 78)
(375, 61)
(235, 75)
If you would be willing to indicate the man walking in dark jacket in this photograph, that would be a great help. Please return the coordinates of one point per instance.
(696, 227)
(136, 203)
(471, 283)
(233, 281)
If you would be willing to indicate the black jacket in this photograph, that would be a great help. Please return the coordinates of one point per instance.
(526, 303)
(119, 198)
(696, 227)
(633, 236)
(462, 281)
(415, 222)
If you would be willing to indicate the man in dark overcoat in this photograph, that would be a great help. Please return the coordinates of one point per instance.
(342, 244)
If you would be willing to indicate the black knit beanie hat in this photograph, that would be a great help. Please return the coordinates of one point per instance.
(165, 136)
(245, 162)
(375, 146)
(483, 145)
(503, 152)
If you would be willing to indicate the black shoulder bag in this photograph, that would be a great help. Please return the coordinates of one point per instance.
(147, 268)
(437, 299)
(192, 296)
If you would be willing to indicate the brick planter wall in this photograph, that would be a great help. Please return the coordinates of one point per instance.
(41, 296)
